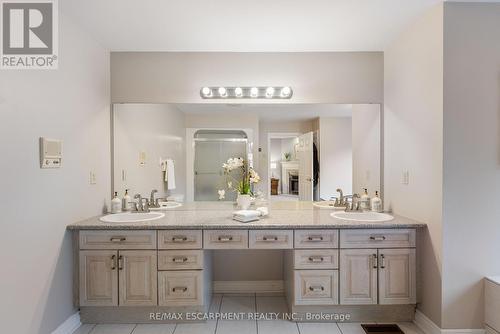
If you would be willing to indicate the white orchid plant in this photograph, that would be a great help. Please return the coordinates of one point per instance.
(248, 177)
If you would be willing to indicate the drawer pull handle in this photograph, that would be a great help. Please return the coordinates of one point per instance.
(117, 239)
(225, 238)
(382, 262)
(113, 262)
(316, 288)
(316, 259)
(181, 238)
(120, 262)
(272, 238)
(377, 238)
(315, 238)
(181, 288)
(375, 261)
(179, 259)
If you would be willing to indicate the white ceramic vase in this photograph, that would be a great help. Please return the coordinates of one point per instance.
(244, 201)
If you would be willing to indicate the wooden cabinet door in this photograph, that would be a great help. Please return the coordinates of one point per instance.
(397, 276)
(98, 278)
(137, 278)
(358, 276)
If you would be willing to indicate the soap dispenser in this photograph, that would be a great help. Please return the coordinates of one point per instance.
(126, 205)
(116, 204)
(365, 200)
(376, 203)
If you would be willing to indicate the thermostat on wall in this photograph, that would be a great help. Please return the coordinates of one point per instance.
(50, 153)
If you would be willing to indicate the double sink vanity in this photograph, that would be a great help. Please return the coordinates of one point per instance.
(332, 263)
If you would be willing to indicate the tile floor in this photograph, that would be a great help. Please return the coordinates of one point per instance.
(232, 303)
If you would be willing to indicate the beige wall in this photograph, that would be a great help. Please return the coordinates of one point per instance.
(71, 104)
(413, 138)
(471, 209)
(156, 129)
(176, 77)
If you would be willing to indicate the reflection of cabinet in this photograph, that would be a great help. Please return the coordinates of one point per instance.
(111, 278)
(274, 186)
(392, 271)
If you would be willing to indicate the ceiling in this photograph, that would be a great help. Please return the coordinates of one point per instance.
(244, 26)
(271, 112)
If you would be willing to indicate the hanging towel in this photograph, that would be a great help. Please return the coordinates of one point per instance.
(170, 174)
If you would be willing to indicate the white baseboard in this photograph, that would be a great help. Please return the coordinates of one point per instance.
(429, 327)
(69, 325)
(248, 286)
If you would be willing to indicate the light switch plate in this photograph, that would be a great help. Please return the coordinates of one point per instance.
(405, 177)
(92, 177)
(142, 158)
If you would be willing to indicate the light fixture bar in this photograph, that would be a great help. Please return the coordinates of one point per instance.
(255, 92)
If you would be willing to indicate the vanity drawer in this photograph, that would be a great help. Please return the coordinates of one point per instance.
(316, 239)
(180, 239)
(180, 288)
(270, 239)
(180, 259)
(316, 287)
(377, 238)
(119, 239)
(316, 259)
(225, 239)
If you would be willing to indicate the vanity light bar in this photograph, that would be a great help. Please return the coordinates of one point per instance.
(256, 92)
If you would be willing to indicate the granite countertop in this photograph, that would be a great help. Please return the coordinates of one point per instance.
(217, 215)
(494, 279)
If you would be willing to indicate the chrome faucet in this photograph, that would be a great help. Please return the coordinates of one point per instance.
(141, 205)
(341, 201)
(354, 205)
(152, 202)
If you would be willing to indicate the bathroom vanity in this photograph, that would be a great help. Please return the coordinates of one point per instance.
(126, 271)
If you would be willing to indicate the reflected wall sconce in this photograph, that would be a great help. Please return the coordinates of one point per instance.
(255, 92)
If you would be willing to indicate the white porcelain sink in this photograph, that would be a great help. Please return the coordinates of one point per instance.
(131, 217)
(166, 206)
(368, 216)
(327, 205)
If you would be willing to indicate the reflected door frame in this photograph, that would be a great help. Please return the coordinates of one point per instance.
(275, 135)
(190, 132)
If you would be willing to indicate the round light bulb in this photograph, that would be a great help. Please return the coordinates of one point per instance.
(222, 91)
(269, 91)
(238, 92)
(207, 92)
(254, 92)
(286, 91)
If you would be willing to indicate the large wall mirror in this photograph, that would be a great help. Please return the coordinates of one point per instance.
(301, 151)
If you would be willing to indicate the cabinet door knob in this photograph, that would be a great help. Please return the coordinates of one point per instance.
(117, 239)
(377, 238)
(270, 238)
(382, 262)
(375, 261)
(315, 238)
(179, 259)
(316, 259)
(225, 238)
(120, 262)
(179, 288)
